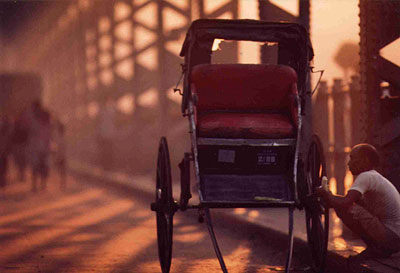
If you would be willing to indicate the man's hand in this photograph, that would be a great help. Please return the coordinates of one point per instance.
(336, 201)
(321, 192)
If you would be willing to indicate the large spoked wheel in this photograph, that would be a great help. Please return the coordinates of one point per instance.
(165, 208)
(317, 214)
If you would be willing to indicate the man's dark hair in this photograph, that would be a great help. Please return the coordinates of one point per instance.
(370, 152)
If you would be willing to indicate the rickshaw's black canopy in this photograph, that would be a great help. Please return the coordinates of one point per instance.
(294, 46)
(203, 31)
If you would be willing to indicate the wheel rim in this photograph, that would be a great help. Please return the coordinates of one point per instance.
(317, 215)
(165, 211)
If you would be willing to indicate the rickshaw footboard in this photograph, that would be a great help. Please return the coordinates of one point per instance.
(245, 188)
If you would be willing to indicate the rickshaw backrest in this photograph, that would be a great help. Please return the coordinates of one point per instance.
(243, 86)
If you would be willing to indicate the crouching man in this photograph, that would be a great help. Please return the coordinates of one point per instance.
(371, 207)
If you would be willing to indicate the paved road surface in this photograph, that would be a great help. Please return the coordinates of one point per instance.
(91, 228)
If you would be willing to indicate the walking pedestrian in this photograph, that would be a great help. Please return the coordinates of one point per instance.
(58, 141)
(39, 144)
(19, 145)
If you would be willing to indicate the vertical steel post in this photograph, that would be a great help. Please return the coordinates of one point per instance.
(370, 20)
(304, 13)
(355, 98)
(339, 100)
(162, 95)
(321, 121)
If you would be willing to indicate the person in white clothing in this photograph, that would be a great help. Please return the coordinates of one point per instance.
(371, 207)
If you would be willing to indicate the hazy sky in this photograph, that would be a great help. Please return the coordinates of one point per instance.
(333, 22)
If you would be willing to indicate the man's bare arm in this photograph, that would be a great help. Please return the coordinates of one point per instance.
(337, 201)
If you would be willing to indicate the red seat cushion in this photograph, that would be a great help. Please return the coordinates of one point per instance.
(243, 86)
(245, 100)
(241, 125)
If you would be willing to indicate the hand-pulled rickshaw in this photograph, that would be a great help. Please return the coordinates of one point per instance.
(252, 144)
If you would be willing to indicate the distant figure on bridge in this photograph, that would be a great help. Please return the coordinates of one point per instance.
(39, 143)
(19, 145)
(371, 207)
(58, 150)
(5, 141)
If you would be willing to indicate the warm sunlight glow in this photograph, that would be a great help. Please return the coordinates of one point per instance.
(181, 4)
(216, 43)
(93, 109)
(291, 6)
(173, 20)
(254, 213)
(148, 59)
(107, 77)
(146, 15)
(239, 211)
(143, 37)
(249, 52)
(76, 198)
(348, 181)
(118, 246)
(391, 52)
(189, 237)
(339, 243)
(175, 46)
(248, 9)
(123, 31)
(84, 4)
(105, 42)
(121, 11)
(42, 237)
(139, 2)
(72, 12)
(125, 69)
(104, 24)
(332, 185)
(175, 96)
(105, 59)
(226, 15)
(126, 104)
(337, 20)
(149, 98)
(122, 50)
(211, 6)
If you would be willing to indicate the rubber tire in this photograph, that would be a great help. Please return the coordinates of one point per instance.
(165, 206)
(317, 215)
